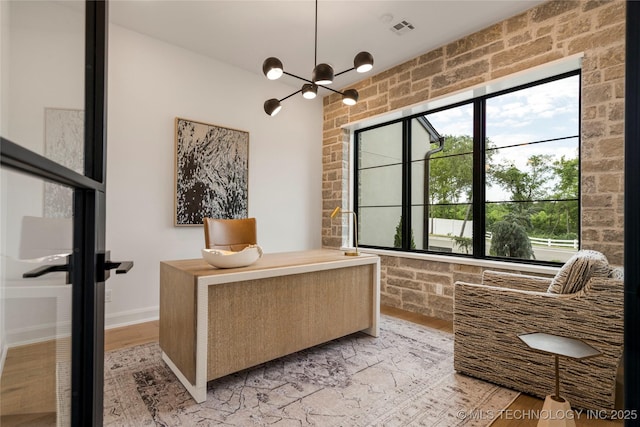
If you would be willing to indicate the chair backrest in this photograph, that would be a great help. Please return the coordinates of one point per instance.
(229, 234)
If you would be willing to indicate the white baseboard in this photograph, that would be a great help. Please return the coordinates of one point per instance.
(50, 331)
(37, 333)
(131, 317)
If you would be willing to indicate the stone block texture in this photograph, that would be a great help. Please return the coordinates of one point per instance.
(547, 32)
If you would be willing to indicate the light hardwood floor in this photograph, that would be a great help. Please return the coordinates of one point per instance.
(129, 336)
(518, 414)
(27, 386)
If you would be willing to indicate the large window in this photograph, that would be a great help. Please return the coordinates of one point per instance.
(494, 177)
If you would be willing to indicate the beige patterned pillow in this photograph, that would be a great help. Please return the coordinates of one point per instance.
(575, 273)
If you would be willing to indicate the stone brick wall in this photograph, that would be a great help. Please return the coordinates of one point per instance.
(545, 33)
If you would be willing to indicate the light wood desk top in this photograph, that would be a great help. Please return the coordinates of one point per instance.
(271, 265)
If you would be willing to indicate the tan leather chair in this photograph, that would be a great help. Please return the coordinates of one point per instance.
(229, 234)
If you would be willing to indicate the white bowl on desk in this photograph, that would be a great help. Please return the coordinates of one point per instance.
(230, 259)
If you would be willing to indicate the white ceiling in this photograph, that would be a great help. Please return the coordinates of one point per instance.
(244, 33)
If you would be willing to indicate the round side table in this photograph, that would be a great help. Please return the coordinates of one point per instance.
(557, 346)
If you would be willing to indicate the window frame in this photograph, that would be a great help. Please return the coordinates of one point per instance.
(479, 202)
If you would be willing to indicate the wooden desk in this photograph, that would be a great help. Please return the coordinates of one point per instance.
(214, 322)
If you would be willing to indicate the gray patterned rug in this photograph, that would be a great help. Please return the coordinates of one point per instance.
(405, 377)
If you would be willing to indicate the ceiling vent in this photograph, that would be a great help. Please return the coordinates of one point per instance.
(402, 27)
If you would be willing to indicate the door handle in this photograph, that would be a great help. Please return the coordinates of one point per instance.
(46, 269)
(121, 267)
(105, 265)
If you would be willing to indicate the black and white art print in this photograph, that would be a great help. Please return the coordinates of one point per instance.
(212, 172)
(64, 144)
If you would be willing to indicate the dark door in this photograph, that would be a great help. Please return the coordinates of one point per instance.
(631, 224)
(53, 211)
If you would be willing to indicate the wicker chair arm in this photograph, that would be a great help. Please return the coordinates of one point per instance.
(515, 281)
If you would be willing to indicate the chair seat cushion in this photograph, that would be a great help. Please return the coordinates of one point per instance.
(575, 273)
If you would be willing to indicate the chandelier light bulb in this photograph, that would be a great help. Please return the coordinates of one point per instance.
(309, 91)
(363, 62)
(272, 68)
(322, 74)
(272, 106)
(350, 97)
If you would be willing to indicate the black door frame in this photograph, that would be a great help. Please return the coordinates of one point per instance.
(87, 344)
(631, 209)
(88, 316)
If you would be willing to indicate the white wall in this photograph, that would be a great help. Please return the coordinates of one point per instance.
(4, 84)
(150, 84)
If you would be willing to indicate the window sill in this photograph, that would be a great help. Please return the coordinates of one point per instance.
(452, 259)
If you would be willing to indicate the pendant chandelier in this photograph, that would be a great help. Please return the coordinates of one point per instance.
(322, 75)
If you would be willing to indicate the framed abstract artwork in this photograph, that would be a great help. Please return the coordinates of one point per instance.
(64, 144)
(212, 172)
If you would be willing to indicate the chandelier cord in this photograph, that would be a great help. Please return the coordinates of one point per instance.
(315, 55)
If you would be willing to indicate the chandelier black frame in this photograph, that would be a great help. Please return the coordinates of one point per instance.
(322, 75)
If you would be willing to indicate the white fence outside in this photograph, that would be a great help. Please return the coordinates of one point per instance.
(554, 242)
(548, 242)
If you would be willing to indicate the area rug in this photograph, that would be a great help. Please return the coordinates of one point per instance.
(404, 377)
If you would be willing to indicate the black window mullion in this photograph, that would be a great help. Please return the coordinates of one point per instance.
(95, 89)
(356, 176)
(479, 178)
(406, 185)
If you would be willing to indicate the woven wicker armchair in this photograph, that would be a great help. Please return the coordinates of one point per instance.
(488, 318)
